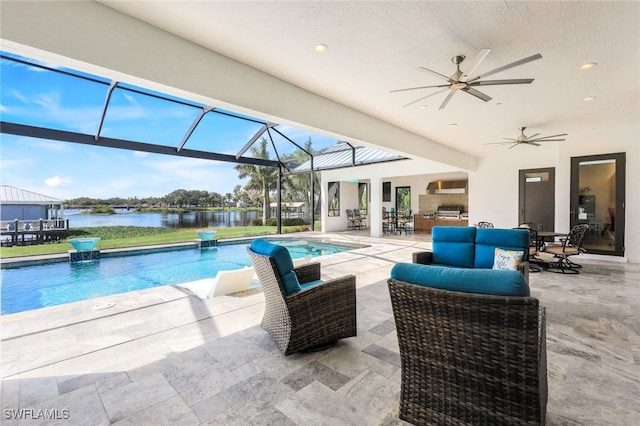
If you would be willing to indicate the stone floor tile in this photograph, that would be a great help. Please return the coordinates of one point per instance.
(79, 407)
(379, 394)
(383, 354)
(199, 385)
(318, 405)
(315, 371)
(170, 412)
(347, 361)
(123, 401)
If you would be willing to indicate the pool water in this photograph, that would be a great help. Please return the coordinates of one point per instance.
(31, 287)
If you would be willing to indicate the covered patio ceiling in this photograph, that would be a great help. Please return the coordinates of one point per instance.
(92, 110)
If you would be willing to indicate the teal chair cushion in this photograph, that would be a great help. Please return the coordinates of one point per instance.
(310, 284)
(454, 245)
(487, 239)
(478, 281)
(283, 262)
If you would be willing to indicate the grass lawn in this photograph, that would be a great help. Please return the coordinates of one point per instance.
(135, 236)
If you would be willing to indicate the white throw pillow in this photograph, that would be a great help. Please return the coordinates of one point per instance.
(507, 259)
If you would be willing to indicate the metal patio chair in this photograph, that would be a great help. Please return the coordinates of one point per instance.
(569, 246)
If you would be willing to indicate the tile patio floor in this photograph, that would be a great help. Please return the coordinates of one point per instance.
(160, 357)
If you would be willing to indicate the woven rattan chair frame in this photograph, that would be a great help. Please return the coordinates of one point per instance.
(310, 318)
(469, 359)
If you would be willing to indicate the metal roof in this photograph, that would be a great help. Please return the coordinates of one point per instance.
(12, 195)
(344, 154)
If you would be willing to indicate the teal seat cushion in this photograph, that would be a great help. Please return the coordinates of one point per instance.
(283, 262)
(454, 245)
(310, 284)
(477, 281)
(487, 239)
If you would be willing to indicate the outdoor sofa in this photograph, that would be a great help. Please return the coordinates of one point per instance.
(478, 248)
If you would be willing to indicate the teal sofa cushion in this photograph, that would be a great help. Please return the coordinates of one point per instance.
(283, 262)
(487, 239)
(478, 281)
(454, 245)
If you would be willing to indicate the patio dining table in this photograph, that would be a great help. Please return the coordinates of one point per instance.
(543, 238)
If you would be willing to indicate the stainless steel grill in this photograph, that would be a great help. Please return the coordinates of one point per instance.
(449, 212)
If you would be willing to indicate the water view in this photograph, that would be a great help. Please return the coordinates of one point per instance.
(206, 219)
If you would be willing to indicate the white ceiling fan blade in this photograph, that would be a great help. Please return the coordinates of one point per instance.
(434, 73)
(497, 82)
(419, 87)
(546, 140)
(514, 145)
(497, 143)
(425, 97)
(474, 64)
(447, 99)
(533, 143)
(511, 139)
(533, 136)
(508, 66)
(553, 136)
(478, 94)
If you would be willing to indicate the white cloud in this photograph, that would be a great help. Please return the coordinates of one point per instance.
(140, 154)
(56, 181)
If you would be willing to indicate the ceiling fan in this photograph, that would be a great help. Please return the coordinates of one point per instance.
(529, 140)
(463, 81)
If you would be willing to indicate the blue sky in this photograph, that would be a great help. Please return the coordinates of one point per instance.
(30, 95)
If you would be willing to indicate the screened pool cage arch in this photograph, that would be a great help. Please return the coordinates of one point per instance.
(341, 155)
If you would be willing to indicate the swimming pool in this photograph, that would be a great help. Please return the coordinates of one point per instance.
(36, 286)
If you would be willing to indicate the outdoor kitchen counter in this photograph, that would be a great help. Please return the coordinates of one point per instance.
(423, 224)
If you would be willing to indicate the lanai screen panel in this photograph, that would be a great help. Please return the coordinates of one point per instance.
(33, 94)
(221, 131)
(145, 117)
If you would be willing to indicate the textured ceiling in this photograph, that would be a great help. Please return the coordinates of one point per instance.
(375, 47)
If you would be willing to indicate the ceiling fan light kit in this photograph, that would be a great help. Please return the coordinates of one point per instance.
(462, 81)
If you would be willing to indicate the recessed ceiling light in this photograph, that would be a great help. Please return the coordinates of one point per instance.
(589, 98)
(498, 103)
(422, 107)
(320, 48)
(453, 124)
(588, 66)
(590, 129)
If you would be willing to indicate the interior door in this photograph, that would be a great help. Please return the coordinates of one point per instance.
(598, 199)
(537, 194)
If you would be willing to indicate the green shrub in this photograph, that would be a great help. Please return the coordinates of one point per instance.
(273, 222)
(102, 209)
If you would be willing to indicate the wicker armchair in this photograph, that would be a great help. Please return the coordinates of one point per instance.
(309, 319)
(469, 358)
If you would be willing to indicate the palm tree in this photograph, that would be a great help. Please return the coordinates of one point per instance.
(300, 184)
(261, 178)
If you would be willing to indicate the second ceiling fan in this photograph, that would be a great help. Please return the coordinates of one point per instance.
(464, 81)
(534, 139)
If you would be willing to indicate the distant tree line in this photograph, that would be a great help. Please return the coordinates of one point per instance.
(257, 192)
